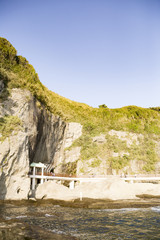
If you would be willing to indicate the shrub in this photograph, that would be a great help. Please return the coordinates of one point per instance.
(95, 163)
(103, 106)
(118, 162)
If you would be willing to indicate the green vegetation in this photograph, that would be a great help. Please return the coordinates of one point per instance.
(16, 72)
(103, 106)
(8, 124)
(3, 164)
(118, 162)
(89, 149)
(70, 168)
(96, 163)
(144, 152)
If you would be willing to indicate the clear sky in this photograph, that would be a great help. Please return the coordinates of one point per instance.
(90, 51)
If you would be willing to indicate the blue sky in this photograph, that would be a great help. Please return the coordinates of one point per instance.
(90, 51)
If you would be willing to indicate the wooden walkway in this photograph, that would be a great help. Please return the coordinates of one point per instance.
(40, 174)
(72, 179)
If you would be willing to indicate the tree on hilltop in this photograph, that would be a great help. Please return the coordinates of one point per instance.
(103, 106)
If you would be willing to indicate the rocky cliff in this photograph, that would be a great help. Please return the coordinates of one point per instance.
(42, 137)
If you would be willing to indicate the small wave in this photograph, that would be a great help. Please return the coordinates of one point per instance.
(156, 209)
(18, 217)
(8, 218)
(58, 232)
(109, 210)
(71, 233)
(48, 215)
(122, 210)
(131, 209)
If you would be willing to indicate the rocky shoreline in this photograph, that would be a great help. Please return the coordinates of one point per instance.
(144, 201)
(111, 189)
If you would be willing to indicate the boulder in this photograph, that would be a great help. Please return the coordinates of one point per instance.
(52, 190)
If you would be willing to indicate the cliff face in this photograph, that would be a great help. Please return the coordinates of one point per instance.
(37, 125)
(42, 137)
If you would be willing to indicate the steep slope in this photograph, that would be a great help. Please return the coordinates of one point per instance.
(39, 125)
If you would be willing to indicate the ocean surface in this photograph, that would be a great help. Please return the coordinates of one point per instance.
(35, 222)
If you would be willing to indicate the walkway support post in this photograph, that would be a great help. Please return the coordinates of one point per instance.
(34, 179)
(35, 173)
(42, 173)
(71, 185)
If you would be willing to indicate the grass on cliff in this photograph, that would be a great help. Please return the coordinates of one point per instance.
(144, 152)
(118, 154)
(8, 124)
(16, 72)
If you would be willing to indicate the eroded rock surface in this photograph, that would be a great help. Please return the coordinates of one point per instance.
(112, 188)
(42, 138)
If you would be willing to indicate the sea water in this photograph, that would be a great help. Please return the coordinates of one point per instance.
(87, 224)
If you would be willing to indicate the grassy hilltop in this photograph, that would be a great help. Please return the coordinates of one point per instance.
(16, 72)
